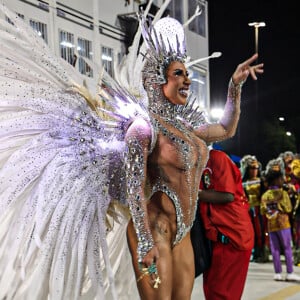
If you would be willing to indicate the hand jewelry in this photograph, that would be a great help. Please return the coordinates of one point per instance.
(151, 270)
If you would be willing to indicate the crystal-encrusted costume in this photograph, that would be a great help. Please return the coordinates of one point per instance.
(69, 169)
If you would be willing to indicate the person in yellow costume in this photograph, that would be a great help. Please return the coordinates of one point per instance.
(276, 205)
(253, 186)
(295, 180)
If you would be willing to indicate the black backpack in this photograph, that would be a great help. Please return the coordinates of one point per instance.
(201, 245)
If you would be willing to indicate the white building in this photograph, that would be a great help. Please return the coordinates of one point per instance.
(101, 30)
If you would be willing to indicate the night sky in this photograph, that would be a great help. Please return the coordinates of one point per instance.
(276, 93)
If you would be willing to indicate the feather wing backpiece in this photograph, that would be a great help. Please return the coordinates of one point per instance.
(63, 206)
(61, 179)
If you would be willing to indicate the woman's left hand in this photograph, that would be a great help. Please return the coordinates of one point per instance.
(244, 69)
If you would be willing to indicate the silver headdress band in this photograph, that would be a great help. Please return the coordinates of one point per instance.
(165, 42)
(276, 164)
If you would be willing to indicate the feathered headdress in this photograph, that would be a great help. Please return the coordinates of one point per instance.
(249, 161)
(276, 164)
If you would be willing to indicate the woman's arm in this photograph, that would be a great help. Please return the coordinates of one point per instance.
(138, 141)
(263, 204)
(284, 204)
(226, 127)
(212, 196)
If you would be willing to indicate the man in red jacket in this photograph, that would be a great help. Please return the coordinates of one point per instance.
(225, 212)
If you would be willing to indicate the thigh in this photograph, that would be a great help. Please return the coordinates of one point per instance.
(285, 238)
(183, 269)
(274, 240)
(162, 236)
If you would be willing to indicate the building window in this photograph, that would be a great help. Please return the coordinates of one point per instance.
(66, 46)
(198, 86)
(176, 10)
(198, 25)
(108, 60)
(84, 48)
(40, 29)
(43, 5)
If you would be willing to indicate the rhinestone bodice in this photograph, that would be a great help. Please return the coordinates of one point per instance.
(177, 174)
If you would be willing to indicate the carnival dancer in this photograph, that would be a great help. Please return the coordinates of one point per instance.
(287, 158)
(295, 181)
(251, 175)
(276, 205)
(63, 168)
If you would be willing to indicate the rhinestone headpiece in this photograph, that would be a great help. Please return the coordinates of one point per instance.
(165, 42)
(275, 165)
(249, 161)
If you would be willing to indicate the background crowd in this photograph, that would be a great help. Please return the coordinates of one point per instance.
(273, 194)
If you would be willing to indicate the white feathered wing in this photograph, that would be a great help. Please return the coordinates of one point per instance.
(59, 172)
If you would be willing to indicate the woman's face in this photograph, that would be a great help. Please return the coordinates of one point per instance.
(176, 89)
(253, 171)
(288, 163)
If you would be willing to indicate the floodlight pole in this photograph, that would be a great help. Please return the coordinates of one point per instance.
(256, 26)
